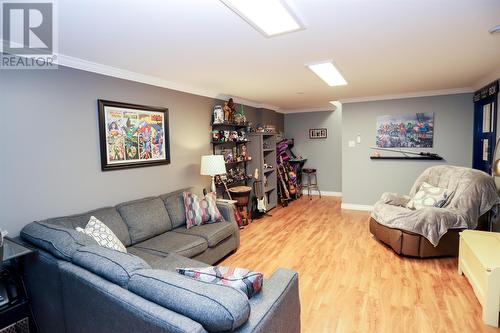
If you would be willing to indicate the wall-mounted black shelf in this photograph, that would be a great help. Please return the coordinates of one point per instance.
(236, 162)
(231, 125)
(228, 142)
(426, 158)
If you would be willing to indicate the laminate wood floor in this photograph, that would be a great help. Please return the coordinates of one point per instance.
(349, 282)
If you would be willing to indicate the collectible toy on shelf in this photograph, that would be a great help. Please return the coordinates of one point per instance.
(218, 115)
(269, 129)
(229, 111)
(242, 136)
(215, 136)
(239, 116)
(233, 136)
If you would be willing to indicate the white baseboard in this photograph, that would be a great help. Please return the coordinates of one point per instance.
(324, 193)
(350, 206)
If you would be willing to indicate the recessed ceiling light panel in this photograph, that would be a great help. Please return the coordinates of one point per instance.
(269, 17)
(327, 72)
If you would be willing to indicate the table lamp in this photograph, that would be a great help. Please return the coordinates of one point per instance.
(212, 165)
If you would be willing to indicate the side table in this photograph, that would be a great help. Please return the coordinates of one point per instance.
(15, 310)
(479, 261)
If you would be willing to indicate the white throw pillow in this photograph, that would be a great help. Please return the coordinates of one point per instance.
(102, 235)
(429, 196)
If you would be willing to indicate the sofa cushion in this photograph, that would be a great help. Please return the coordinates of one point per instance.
(174, 203)
(173, 242)
(170, 262)
(60, 241)
(218, 308)
(112, 265)
(108, 215)
(213, 233)
(174, 261)
(145, 218)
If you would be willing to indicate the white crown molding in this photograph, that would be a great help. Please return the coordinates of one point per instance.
(94, 67)
(324, 193)
(408, 95)
(350, 206)
(320, 109)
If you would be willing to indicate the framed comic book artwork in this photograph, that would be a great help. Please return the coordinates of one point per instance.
(132, 136)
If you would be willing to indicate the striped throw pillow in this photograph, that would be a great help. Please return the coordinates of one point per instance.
(239, 278)
(201, 211)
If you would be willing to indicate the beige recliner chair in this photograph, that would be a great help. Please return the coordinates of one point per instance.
(433, 231)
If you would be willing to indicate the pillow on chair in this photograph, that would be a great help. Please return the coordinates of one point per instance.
(429, 196)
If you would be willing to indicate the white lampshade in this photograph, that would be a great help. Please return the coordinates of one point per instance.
(212, 165)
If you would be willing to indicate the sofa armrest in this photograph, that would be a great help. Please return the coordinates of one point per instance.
(92, 304)
(277, 307)
(227, 211)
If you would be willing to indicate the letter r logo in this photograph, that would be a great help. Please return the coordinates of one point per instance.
(27, 28)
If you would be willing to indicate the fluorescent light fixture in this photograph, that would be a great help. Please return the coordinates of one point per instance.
(327, 72)
(270, 17)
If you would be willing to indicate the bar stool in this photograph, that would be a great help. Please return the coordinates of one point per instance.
(310, 173)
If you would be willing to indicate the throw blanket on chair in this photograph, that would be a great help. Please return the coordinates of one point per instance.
(474, 194)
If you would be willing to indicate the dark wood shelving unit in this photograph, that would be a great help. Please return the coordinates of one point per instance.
(229, 145)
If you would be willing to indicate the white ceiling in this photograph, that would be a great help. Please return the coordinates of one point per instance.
(382, 47)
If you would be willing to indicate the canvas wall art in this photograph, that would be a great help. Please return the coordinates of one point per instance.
(406, 131)
(132, 135)
(318, 133)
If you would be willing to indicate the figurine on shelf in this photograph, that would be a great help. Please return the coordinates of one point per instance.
(244, 152)
(215, 136)
(231, 105)
(226, 136)
(228, 117)
(218, 115)
(239, 116)
(233, 136)
(242, 136)
(221, 136)
(228, 158)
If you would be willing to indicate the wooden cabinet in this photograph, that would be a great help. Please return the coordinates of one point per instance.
(479, 261)
(262, 148)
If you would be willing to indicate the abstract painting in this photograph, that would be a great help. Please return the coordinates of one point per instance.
(406, 131)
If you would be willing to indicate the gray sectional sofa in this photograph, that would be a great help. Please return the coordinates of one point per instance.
(75, 285)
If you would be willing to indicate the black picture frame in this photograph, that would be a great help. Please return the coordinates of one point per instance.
(318, 133)
(124, 150)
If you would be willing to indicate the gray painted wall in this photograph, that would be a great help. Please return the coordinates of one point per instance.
(364, 180)
(50, 163)
(322, 154)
